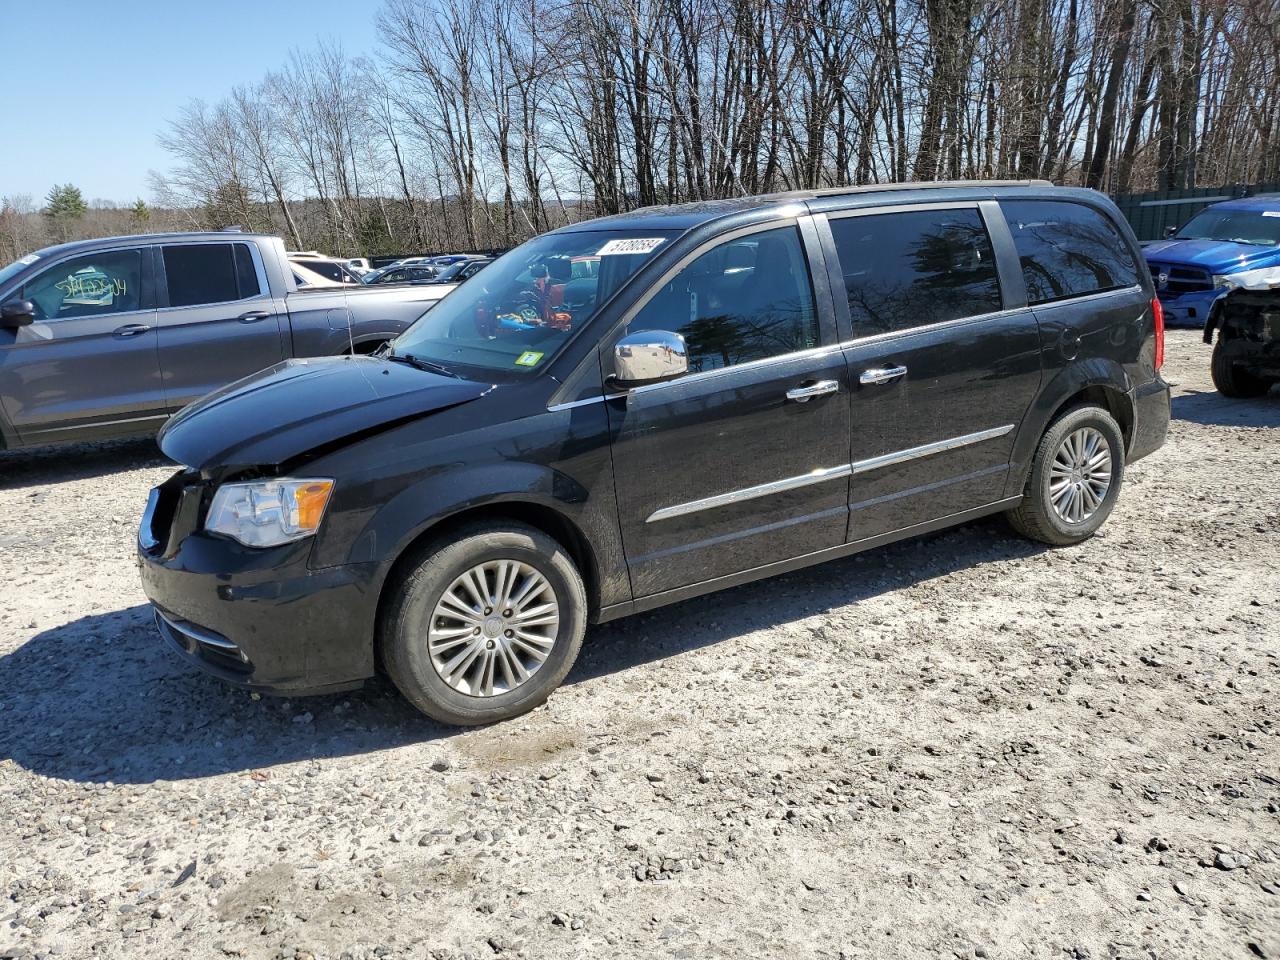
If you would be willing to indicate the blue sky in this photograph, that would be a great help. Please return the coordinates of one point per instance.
(88, 85)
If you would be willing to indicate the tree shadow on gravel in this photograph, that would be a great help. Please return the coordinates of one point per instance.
(44, 465)
(104, 699)
(1213, 409)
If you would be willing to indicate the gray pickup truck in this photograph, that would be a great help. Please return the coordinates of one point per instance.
(109, 338)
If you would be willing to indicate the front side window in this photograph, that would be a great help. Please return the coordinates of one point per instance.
(1067, 249)
(912, 269)
(517, 313)
(209, 273)
(88, 286)
(746, 299)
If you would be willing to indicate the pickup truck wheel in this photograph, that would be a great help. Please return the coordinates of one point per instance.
(1075, 478)
(1232, 380)
(483, 627)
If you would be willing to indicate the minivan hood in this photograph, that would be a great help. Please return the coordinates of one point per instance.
(1215, 256)
(286, 410)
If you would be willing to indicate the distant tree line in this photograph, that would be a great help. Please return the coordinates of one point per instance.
(66, 215)
(479, 124)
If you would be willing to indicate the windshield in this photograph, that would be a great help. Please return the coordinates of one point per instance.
(448, 273)
(1259, 227)
(516, 314)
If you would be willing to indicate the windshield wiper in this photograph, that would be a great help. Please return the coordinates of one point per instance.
(429, 365)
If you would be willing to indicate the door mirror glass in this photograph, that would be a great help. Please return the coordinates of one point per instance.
(649, 356)
(17, 313)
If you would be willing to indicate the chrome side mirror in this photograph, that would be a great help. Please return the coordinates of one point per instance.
(649, 356)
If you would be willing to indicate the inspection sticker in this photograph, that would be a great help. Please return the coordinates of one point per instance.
(631, 247)
(529, 358)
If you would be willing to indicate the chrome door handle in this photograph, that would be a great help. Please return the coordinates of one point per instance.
(253, 316)
(882, 374)
(802, 394)
(130, 330)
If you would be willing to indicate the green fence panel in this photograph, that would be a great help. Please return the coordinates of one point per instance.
(1151, 214)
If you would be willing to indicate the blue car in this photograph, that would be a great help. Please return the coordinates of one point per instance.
(1195, 266)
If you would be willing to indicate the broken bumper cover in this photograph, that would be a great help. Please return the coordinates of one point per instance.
(260, 618)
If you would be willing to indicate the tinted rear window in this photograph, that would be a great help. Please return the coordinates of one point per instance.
(904, 270)
(1067, 249)
(209, 273)
(326, 268)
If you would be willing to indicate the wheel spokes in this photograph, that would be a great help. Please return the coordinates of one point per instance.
(1080, 475)
(493, 627)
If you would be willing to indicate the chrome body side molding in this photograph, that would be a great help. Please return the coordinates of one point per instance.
(822, 475)
(928, 449)
(750, 493)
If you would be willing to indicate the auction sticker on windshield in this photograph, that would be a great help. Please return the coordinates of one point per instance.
(529, 358)
(635, 245)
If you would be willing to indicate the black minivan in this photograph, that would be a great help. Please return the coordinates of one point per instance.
(639, 409)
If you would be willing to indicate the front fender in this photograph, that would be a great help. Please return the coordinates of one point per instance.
(449, 492)
(402, 484)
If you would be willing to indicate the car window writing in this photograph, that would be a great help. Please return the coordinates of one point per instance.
(207, 273)
(744, 300)
(87, 286)
(911, 269)
(1067, 249)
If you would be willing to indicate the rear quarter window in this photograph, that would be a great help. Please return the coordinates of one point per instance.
(1068, 249)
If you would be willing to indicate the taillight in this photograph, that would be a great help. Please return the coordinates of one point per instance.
(1157, 312)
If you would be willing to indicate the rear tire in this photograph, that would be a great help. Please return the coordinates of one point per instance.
(1233, 381)
(435, 620)
(1075, 478)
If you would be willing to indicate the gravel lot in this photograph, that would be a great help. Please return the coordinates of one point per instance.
(966, 745)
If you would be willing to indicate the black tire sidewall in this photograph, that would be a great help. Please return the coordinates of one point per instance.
(1070, 422)
(409, 660)
(1232, 381)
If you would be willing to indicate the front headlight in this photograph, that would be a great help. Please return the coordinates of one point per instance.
(1264, 278)
(267, 513)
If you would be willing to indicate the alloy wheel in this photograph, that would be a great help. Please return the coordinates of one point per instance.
(1080, 475)
(493, 628)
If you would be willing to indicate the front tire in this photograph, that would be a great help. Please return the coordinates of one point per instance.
(484, 626)
(1232, 380)
(1075, 478)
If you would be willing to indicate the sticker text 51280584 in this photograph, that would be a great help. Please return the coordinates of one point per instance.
(631, 246)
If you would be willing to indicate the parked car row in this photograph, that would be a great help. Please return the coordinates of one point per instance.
(637, 410)
(451, 269)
